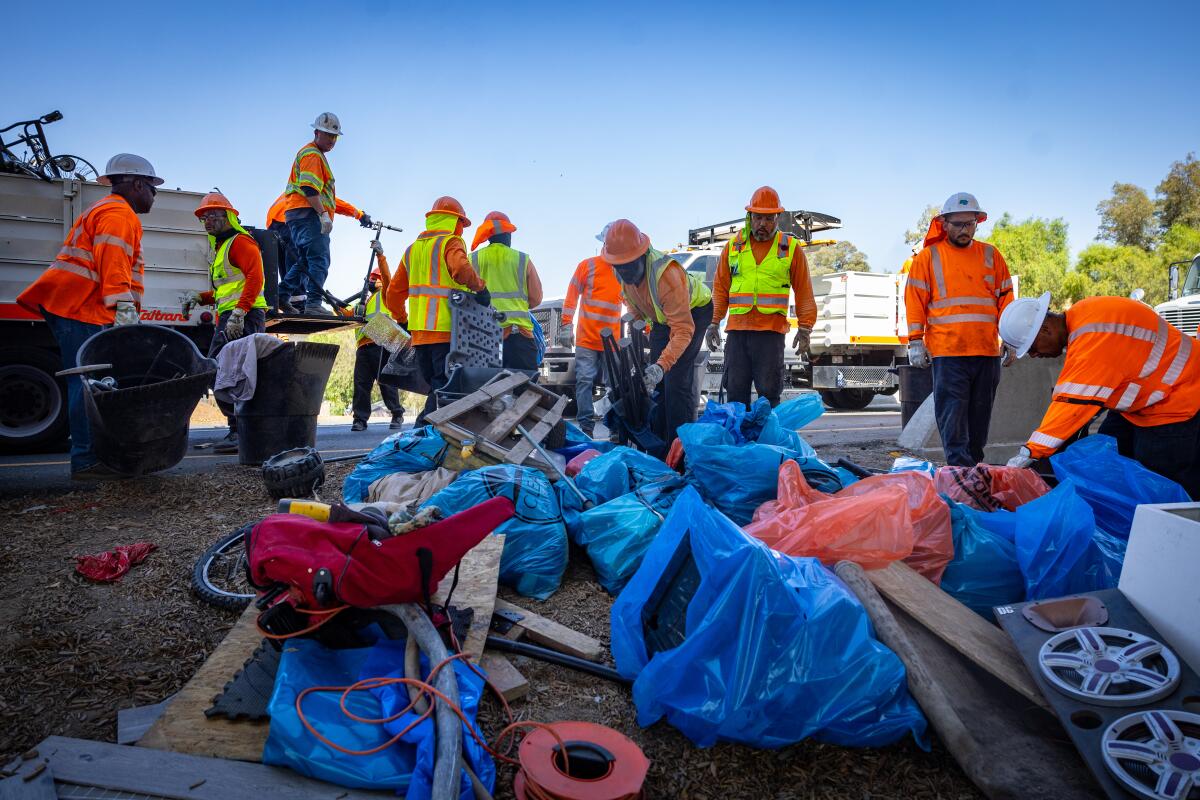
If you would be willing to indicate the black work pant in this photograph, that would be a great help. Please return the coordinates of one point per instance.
(677, 398)
(754, 357)
(520, 352)
(1171, 450)
(255, 322)
(368, 362)
(431, 361)
(964, 388)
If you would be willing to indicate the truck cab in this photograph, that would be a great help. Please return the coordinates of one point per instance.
(1183, 309)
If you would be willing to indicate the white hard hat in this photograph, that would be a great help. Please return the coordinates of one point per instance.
(128, 164)
(1021, 321)
(329, 123)
(962, 201)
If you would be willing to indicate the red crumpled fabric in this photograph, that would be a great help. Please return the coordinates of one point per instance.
(988, 487)
(110, 566)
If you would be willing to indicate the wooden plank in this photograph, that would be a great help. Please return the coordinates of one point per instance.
(489, 391)
(38, 787)
(548, 633)
(479, 574)
(539, 432)
(132, 723)
(960, 627)
(502, 675)
(183, 726)
(502, 426)
(177, 776)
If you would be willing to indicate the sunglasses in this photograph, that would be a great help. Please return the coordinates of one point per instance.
(971, 223)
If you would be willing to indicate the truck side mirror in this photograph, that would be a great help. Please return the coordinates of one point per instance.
(1173, 282)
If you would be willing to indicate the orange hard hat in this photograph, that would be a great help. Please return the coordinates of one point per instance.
(214, 200)
(624, 243)
(448, 205)
(376, 275)
(765, 201)
(495, 223)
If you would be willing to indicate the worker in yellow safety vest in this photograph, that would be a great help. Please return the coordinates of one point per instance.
(514, 285)
(369, 358)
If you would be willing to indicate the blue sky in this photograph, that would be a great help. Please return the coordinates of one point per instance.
(566, 116)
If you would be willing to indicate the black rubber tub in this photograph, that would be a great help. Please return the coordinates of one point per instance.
(915, 386)
(282, 415)
(142, 425)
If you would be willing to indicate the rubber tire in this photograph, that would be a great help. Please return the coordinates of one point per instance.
(831, 398)
(48, 362)
(854, 399)
(887, 392)
(294, 473)
(201, 589)
(556, 439)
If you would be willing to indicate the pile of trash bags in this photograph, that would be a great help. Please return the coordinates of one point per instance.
(415, 450)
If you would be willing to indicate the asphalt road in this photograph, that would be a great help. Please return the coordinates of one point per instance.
(49, 472)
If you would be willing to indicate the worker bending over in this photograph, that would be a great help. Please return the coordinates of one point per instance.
(96, 281)
(679, 306)
(237, 289)
(431, 268)
(289, 257)
(595, 290)
(756, 275)
(1124, 357)
(514, 286)
(369, 358)
(957, 288)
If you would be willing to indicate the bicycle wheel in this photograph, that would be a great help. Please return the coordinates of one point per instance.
(69, 166)
(219, 577)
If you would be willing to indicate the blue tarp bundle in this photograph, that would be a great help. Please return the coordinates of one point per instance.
(415, 450)
(776, 648)
(578, 442)
(794, 414)
(607, 477)
(535, 543)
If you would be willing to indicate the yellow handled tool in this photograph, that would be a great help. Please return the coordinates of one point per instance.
(309, 508)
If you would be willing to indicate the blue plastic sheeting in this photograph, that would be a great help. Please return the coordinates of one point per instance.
(759, 424)
(794, 414)
(577, 442)
(415, 450)
(606, 477)
(407, 766)
(776, 648)
(984, 572)
(535, 544)
(1112, 484)
(1053, 535)
(539, 338)
(845, 476)
(617, 534)
(910, 464)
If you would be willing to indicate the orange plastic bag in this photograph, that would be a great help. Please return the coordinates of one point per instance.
(987, 487)
(933, 536)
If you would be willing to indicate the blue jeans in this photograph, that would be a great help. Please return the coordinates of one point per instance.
(589, 365)
(70, 335)
(290, 257)
(964, 388)
(312, 249)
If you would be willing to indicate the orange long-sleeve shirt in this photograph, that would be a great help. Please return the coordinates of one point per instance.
(755, 320)
(245, 255)
(594, 287)
(955, 303)
(675, 294)
(459, 266)
(278, 210)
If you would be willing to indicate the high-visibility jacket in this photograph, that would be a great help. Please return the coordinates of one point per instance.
(504, 270)
(429, 281)
(278, 210)
(375, 307)
(310, 169)
(700, 294)
(228, 277)
(595, 289)
(764, 286)
(954, 298)
(1121, 356)
(99, 265)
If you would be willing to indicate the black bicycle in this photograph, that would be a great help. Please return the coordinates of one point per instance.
(36, 159)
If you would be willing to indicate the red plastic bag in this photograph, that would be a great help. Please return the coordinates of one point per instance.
(987, 487)
(933, 536)
(110, 566)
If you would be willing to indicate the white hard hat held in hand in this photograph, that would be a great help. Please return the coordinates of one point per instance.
(129, 164)
(329, 123)
(1021, 321)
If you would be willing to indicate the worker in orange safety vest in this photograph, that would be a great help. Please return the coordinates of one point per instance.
(1120, 356)
(96, 281)
(289, 256)
(594, 289)
(957, 287)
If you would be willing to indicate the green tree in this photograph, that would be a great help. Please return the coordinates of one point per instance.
(1035, 251)
(1179, 195)
(1127, 218)
(917, 234)
(1117, 271)
(840, 257)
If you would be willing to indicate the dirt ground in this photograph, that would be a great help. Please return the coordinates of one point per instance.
(75, 651)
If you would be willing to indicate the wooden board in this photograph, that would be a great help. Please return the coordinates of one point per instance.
(488, 391)
(960, 627)
(177, 776)
(479, 574)
(132, 723)
(503, 424)
(38, 787)
(506, 678)
(520, 451)
(548, 633)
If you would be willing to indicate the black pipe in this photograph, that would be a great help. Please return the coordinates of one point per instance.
(856, 470)
(553, 657)
(336, 459)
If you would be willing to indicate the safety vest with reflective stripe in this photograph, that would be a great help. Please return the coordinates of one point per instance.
(766, 286)
(700, 293)
(504, 270)
(1121, 356)
(300, 178)
(956, 308)
(430, 282)
(375, 307)
(595, 288)
(228, 281)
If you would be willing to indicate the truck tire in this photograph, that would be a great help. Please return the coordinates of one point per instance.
(854, 399)
(294, 473)
(831, 398)
(33, 402)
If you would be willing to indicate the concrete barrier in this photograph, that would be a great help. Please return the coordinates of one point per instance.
(1021, 401)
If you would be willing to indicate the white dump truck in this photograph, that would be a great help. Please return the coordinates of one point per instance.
(1183, 309)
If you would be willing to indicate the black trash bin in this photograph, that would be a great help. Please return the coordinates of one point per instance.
(142, 425)
(287, 399)
(915, 386)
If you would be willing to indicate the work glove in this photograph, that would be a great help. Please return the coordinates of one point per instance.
(326, 224)
(377, 247)
(359, 310)
(801, 339)
(365, 220)
(126, 314)
(1021, 459)
(652, 377)
(191, 298)
(918, 356)
(712, 336)
(1010, 355)
(566, 335)
(235, 326)
(483, 297)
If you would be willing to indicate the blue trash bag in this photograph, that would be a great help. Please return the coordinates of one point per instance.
(910, 464)
(777, 649)
(415, 450)
(406, 767)
(984, 572)
(607, 477)
(778, 434)
(578, 442)
(1112, 484)
(743, 424)
(845, 476)
(1053, 535)
(535, 543)
(794, 414)
(616, 534)
(1100, 567)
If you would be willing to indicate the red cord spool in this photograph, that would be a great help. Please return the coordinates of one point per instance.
(602, 764)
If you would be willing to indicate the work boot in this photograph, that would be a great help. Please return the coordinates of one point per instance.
(287, 308)
(96, 472)
(397, 421)
(317, 311)
(227, 445)
(359, 425)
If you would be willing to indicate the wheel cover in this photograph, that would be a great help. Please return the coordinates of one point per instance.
(30, 401)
